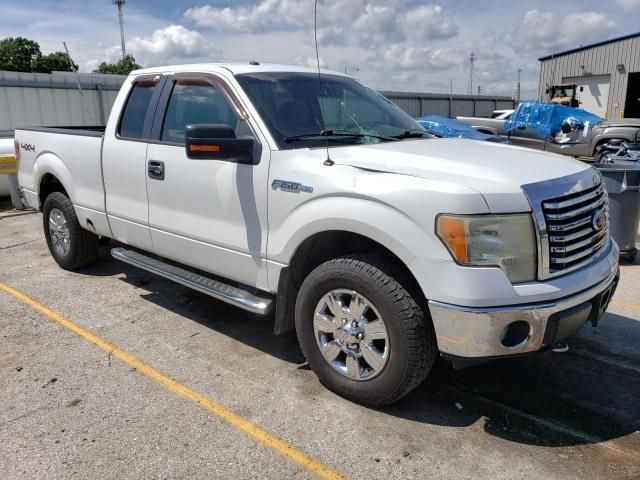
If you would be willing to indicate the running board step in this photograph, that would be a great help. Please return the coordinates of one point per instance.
(218, 290)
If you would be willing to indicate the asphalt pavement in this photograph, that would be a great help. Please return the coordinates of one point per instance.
(72, 410)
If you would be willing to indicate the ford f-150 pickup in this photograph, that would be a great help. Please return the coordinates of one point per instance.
(276, 188)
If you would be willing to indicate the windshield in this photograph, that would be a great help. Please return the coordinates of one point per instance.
(563, 91)
(299, 113)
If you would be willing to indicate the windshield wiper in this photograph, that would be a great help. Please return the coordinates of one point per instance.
(337, 134)
(414, 132)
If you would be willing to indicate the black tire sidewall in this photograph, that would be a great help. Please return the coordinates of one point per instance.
(61, 202)
(331, 277)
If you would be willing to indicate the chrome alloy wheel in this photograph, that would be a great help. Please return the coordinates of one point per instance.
(351, 334)
(59, 231)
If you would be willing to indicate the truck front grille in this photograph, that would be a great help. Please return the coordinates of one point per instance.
(577, 225)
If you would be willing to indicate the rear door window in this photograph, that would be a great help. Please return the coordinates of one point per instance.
(135, 111)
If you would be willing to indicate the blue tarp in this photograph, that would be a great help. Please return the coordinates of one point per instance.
(546, 118)
(446, 128)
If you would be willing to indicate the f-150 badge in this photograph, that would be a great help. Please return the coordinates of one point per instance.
(287, 186)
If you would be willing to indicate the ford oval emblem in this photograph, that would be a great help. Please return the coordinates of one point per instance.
(599, 220)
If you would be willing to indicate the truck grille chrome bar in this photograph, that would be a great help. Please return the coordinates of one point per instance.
(572, 216)
(585, 208)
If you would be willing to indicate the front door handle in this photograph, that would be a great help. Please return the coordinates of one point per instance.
(155, 169)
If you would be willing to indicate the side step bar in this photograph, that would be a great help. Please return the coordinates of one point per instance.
(221, 291)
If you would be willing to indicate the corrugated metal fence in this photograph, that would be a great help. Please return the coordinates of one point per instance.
(34, 99)
(420, 104)
(85, 99)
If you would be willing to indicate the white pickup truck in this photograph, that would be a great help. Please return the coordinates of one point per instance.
(274, 187)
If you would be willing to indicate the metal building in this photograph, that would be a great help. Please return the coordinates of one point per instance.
(606, 76)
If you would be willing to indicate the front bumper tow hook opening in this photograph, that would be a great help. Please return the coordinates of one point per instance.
(516, 334)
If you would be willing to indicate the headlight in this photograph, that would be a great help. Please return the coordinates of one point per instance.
(505, 241)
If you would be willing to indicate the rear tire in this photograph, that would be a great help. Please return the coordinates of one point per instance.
(371, 365)
(71, 246)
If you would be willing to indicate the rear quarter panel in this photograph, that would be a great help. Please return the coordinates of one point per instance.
(73, 159)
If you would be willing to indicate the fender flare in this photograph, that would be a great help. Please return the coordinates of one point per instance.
(378, 221)
(49, 163)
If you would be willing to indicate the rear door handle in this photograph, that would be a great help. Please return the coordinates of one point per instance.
(155, 169)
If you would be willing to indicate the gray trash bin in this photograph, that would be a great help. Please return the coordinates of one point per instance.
(622, 181)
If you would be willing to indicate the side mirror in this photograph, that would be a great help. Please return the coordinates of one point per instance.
(522, 127)
(217, 142)
(570, 125)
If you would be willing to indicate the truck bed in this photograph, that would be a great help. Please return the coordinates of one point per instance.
(92, 131)
(75, 162)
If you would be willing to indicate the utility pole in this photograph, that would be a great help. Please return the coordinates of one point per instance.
(72, 67)
(479, 90)
(451, 98)
(120, 4)
(518, 87)
(472, 58)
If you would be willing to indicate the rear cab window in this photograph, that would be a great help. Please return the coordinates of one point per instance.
(136, 115)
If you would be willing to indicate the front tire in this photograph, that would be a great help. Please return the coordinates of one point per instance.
(71, 246)
(362, 333)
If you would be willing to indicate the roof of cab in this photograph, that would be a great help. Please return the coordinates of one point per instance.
(234, 68)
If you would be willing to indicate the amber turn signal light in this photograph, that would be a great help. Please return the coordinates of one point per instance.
(204, 148)
(452, 232)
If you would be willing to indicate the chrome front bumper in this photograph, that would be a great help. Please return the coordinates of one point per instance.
(476, 332)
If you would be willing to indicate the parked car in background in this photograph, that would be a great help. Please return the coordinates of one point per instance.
(444, 127)
(263, 187)
(539, 125)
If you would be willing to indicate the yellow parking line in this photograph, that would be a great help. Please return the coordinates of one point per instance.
(256, 433)
(624, 304)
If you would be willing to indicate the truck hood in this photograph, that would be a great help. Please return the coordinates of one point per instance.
(496, 171)
(623, 122)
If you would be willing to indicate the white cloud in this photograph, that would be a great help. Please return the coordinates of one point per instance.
(428, 23)
(402, 57)
(545, 31)
(363, 22)
(267, 15)
(311, 62)
(629, 4)
(173, 44)
(400, 45)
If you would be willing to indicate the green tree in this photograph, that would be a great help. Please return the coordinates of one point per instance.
(56, 61)
(17, 54)
(122, 67)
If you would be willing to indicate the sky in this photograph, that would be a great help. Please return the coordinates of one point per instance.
(404, 45)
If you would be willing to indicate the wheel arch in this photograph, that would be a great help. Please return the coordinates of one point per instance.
(601, 140)
(327, 245)
(51, 175)
(48, 184)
